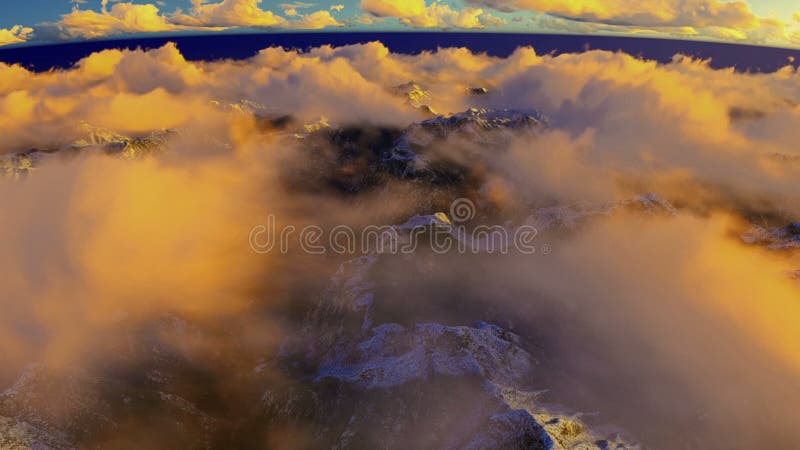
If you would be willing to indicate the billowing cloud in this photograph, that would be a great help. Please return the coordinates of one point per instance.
(131, 18)
(705, 19)
(437, 15)
(14, 35)
(121, 18)
(696, 19)
(388, 8)
(695, 13)
(95, 241)
(229, 13)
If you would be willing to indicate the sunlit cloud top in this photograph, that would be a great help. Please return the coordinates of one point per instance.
(767, 22)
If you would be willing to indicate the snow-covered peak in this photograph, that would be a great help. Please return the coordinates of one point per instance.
(488, 119)
(783, 238)
(394, 355)
(572, 216)
(477, 91)
(90, 138)
(487, 127)
(438, 219)
(414, 93)
(244, 107)
(126, 146)
(347, 343)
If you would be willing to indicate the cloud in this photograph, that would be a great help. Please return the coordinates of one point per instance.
(606, 301)
(122, 18)
(15, 35)
(704, 19)
(387, 8)
(695, 13)
(437, 15)
(131, 18)
(94, 241)
(296, 5)
(229, 13)
(699, 19)
(316, 20)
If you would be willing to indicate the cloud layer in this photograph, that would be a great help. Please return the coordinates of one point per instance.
(695, 13)
(130, 18)
(437, 15)
(697, 19)
(94, 241)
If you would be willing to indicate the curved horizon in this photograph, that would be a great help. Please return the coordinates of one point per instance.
(770, 23)
(241, 46)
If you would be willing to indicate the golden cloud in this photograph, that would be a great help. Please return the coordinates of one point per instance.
(695, 13)
(121, 18)
(93, 240)
(15, 35)
(437, 15)
(389, 8)
(131, 18)
(229, 13)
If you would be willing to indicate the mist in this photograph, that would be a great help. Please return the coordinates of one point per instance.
(666, 327)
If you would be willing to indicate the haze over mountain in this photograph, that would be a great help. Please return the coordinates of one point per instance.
(651, 303)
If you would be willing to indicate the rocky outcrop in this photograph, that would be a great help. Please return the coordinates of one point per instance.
(72, 407)
(416, 96)
(16, 434)
(573, 216)
(783, 238)
(20, 164)
(482, 127)
(422, 386)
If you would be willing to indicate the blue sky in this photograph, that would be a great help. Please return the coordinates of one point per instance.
(770, 22)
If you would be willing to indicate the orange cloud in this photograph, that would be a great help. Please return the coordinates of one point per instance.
(93, 240)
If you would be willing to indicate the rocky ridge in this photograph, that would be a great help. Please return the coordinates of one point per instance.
(352, 356)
